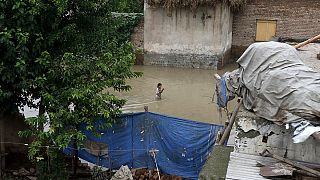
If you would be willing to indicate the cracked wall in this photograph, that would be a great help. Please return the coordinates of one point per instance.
(254, 134)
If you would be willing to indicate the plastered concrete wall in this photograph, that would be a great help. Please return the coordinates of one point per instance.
(296, 19)
(254, 134)
(183, 38)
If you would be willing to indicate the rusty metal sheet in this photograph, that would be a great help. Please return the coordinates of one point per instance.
(277, 169)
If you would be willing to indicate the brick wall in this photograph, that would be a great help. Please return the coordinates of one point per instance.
(137, 41)
(296, 19)
(137, 34)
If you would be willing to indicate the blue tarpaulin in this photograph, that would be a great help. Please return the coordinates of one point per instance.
(183, 145)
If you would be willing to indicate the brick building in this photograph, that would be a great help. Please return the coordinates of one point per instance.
(206, 36)
(260, 20)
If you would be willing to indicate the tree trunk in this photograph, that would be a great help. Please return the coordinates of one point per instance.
(74, 158)
(2, 145)
(41, 113)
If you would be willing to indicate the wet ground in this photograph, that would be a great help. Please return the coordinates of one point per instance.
(308, 55)
(187, 92)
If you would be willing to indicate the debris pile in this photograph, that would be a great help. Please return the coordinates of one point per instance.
(21, 173)
(141, 174)
(276, 85)
(287, 168)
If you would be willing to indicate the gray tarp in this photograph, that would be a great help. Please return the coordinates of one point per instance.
(276, 84)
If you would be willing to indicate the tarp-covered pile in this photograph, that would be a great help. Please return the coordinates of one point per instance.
(183, 145)
(278, 86)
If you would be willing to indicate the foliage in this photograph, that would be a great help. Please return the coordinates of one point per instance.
(194, 4)
(99, 174)
(67, 54)
(20, 43)
(53, 168)
(125, 25)
(128, 6)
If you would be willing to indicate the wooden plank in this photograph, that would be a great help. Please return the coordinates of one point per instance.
(260, 32)
(307, 42)
(266, 29)
(272, 26)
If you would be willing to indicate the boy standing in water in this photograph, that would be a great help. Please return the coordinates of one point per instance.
(159, 91)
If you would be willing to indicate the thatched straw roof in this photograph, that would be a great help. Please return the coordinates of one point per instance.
(193, 4)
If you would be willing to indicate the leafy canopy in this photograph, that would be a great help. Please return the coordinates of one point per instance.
(127, 6)
(64, 53)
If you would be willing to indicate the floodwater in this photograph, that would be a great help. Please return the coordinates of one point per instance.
(187, 93)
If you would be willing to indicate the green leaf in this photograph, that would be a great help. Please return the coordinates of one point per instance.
(65, 52)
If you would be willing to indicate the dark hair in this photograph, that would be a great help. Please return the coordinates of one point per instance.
(159, 84)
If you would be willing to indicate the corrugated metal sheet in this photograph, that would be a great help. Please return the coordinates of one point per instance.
(244, 166)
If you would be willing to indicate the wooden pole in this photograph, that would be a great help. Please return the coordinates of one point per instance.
(229, 127)
(307, 42)
(295, 164)
(221, 132)
(146, 109)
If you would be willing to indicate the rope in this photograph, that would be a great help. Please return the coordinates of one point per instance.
(155, 161)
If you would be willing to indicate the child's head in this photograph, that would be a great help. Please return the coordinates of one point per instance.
(159, 85)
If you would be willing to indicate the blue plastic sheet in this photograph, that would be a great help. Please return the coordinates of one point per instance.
(183, 145)
(224, 92)
(221, 92)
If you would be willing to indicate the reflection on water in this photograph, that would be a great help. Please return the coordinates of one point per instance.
(187, 92)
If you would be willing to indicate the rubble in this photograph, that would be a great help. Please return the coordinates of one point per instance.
(123, 173)
(23, 172)
(276, 170)
(141, 174)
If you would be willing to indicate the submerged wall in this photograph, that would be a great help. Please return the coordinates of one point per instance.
(182, 38)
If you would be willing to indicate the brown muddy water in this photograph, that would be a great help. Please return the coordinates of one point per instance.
(187, 93)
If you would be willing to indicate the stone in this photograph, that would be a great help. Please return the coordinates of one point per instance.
(123, 173)
(316, 135)
(23, 172)
(32, 170)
